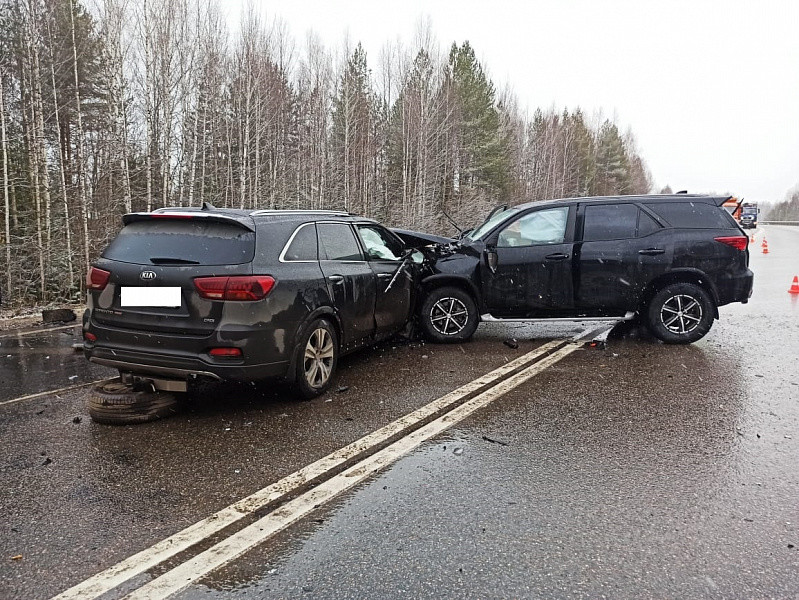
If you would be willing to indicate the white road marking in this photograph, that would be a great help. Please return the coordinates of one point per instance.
(10, 334)
(138, 563)
(52, 392)
(237, 544)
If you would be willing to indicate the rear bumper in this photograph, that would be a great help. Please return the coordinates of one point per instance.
(179, 367)
(184, 356)
(735, 289)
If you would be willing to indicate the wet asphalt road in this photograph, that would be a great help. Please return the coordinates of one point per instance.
(641, 470)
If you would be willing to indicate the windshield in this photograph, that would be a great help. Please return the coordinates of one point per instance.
(488, 225)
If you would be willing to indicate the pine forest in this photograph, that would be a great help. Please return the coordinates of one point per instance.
(130, 105)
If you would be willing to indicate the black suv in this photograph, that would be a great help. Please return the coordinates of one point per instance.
(670, 260)
(244, 295)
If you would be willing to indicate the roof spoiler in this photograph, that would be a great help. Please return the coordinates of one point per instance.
(187, 214)
(728, 200)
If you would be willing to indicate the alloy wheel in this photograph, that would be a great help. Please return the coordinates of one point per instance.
(318, 358)
(449, 316)
(681, 314)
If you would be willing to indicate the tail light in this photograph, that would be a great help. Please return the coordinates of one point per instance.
(254, 287)
(736, 241)
(225, 352)
(97, 279)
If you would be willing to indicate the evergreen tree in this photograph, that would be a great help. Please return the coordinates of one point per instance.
(482, 153)
(612, 163)
(352, 143)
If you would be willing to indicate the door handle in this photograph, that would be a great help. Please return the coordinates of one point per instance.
(557, 256)
(384, 275)
(336, 278)
(652, 251)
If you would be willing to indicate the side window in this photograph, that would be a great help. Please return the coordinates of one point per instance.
(646, 224)
(610, 222)
(539, 227)
(379, 243)
(303, 246)
(692, 215)
(337, 242)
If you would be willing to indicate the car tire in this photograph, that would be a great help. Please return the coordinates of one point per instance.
(116, 403)
(317, 357)
(448, 315)
(680, 313)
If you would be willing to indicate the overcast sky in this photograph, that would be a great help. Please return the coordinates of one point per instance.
(710, 88)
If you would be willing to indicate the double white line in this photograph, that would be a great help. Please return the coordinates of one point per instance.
(402, 436)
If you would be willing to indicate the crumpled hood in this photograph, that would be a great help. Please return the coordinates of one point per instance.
(417, 239)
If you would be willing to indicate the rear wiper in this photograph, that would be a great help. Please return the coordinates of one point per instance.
(156, 260)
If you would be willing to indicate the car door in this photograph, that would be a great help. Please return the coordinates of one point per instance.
(617, 255)
(529, 274)
(350, 280)
(394, 293)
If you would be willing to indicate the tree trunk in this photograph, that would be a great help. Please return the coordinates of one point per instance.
(79, 150)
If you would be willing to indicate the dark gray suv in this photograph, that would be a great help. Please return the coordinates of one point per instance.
(182, 294)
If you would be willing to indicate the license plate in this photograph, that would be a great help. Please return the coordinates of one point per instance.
(161, 297)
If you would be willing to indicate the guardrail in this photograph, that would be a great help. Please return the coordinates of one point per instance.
(794, 223)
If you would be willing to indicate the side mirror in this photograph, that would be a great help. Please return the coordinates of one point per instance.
(491, 258)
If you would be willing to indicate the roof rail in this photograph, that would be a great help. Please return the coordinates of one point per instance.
(298, 211)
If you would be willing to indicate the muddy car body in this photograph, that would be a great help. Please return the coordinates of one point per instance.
(240, 295)
(670, 260)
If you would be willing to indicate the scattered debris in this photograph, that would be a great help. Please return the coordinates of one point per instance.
(77, 420)
(47, 461)
(72, 377)
(424, 355)
(19, 556)
(77, 346)
(511, 343)
(58, 315)
(342, 388)
(457, 451)
(790, 546)
(488, 439)
(349, 419)
(39, 412)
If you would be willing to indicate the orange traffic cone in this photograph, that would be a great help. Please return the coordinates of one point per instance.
(794, 286)
(765, 247)
(752, 239)
(764, 243)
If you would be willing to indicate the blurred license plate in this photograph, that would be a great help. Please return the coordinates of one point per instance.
(164, 297)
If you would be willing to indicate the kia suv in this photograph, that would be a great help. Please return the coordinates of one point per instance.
(183, 294)
(670, 261)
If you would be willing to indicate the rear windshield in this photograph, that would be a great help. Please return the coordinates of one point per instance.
(182, 242)
(693, 215)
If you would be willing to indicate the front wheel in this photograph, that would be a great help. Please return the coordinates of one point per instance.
(317, 359)
(448, 315)
(680, 313)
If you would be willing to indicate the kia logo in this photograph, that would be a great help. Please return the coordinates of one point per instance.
(147, 275)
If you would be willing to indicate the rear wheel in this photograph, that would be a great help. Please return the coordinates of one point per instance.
(448, 315)
(680, 313)
(116, 403)
(317, 359)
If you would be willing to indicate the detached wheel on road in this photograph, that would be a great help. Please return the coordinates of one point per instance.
(680, 313)
(115, 403)
(448, 315)
(317, 359)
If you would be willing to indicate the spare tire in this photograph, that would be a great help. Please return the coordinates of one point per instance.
(116, 403)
